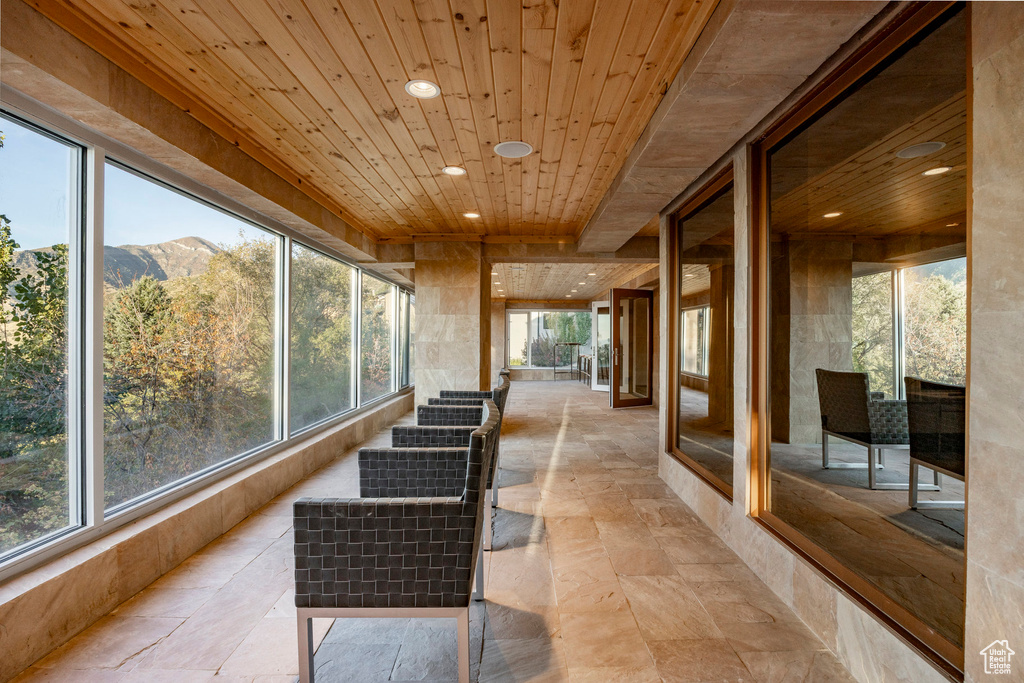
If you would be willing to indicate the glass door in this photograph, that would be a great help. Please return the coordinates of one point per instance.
(632, 326)
(600, 370)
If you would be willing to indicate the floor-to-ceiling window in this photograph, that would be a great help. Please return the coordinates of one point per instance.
(377, 323)
(40, 220)
(156, 334)
(548, 339)
(865, 289)
(704, 273)
(188, 336)
(321, 349)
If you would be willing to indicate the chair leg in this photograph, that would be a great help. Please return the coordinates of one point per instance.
(478, 591)
(488, 531)
(871, 467)
(464, 651)
(914, 474)
(824, 450)
(305, 648)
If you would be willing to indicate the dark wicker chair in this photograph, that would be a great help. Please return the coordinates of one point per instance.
(937, 416)
(409, 547)
(464, 398)
(852, 412)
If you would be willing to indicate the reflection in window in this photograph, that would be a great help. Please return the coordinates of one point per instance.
(695, 340)
(321, 337)
(705, 281)
(873, 343)
(935, 322)
(849, 206)
(518, 339)
(188, 337)
(38, 215)
(403, 338)
(376, 338)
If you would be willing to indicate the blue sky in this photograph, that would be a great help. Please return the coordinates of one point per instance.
(34, 195)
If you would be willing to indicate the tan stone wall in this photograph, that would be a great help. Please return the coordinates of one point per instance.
(995, 486)
(453, 318)
(497, 339)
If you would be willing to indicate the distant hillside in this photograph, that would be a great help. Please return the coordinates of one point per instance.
(126, 263)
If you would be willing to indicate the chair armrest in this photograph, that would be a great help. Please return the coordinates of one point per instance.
(449, 416)
(406, 436)
(443, 401)
(449, 393)
(383, 552)
(888, 420)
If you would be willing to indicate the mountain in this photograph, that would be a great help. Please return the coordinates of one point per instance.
(165, 261)
(124, 264)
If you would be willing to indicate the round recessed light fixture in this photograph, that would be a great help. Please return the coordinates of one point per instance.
(920, 150)
(453, 170)
(689, 275)
(496, 282)
(591, 274)
(573, 291)
(513, 149)
(833, 214)
(494, 272)
(938, 170)
(471, 215)
(424, 90)
(501, 290)
(568, 296)
(583, 283)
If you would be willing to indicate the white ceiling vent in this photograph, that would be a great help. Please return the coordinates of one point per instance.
(513, 149)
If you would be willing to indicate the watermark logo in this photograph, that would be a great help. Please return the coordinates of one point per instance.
(997, 657)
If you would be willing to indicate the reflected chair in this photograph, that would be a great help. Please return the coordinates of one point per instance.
(938, 437)
(408, 547)
(852, 412)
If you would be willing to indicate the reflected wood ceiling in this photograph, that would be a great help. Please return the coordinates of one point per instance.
(319, 86)
(879, 193)
(552, 281)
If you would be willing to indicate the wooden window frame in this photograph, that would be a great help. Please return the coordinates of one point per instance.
(711, 190)
(906, 25)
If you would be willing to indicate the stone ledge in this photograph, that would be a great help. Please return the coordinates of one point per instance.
(45, 607)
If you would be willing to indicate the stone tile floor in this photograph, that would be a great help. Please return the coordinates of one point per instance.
(598, 573)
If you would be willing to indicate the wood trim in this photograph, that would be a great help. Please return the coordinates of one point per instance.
(719, 183)
(907, 24)
(617, 295)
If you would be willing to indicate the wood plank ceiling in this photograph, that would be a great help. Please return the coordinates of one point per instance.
(318, 86)
(560, 281)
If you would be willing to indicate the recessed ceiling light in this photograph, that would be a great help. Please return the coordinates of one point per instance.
(471, 215)
(938, 170)
(424, 90)
(591, 274)
(920, 150)
(496, 282)
(512, 149)
(453, 170)
(688, 275)
(501, 290)
(494, 272)
(833, 214)
(568, 296)
(583, 283)
(573, 291)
